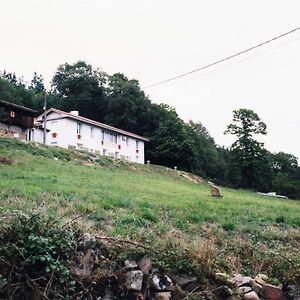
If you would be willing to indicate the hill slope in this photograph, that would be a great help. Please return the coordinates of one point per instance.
(242, 232)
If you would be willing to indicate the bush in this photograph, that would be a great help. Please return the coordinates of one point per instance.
(35, 254)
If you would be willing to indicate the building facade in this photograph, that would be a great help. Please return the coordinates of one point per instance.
(15, 120)
(69, 130)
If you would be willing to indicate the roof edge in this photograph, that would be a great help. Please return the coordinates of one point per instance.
(96, 123)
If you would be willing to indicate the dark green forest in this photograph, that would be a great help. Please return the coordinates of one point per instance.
(120, 102)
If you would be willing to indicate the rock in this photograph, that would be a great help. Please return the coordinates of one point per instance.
(223, 291)
(137, 296)
(162, 296)
(256, 287)
(261, 279)
(245, 289)
(233, 297)
(183, 279)
(251, 296)
(161, 282)
(241, 280)
(271, 292)
(87, 242)
(84, 264)
(130, 264)
(145, 265)
(292, 291)
(134, 280)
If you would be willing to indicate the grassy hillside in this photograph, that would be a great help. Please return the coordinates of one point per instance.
(153, 205)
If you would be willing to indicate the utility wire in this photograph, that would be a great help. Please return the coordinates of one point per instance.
(223, 59)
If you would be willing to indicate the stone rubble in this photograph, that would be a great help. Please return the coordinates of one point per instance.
(139, 280)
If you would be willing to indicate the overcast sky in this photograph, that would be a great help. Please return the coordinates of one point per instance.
(154, 40)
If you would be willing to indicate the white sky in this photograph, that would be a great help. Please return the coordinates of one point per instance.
(154, 40)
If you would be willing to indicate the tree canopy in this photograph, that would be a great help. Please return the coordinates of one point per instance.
(119, 101)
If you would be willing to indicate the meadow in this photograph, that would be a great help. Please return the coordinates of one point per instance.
(156, 206)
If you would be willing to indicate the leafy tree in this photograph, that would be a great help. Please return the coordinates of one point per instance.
(37, 83)
(285, 178)
(172, 144)
(14, 90)
(127, 105)
(80, 87)
(249, 161)
(207, 153)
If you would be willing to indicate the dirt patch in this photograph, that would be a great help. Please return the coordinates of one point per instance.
(5, 161)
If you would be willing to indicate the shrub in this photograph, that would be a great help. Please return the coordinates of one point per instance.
(34, 256)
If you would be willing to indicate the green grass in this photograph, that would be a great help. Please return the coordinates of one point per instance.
(152, 204)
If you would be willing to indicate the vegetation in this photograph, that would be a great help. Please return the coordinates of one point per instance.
(119, 101)
(152, 205)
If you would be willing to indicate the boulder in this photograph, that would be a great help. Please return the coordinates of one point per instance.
(292, 291)
(251, 296)
(223, 291)
(161, 282)
(261, 279)
(130, 264)
(86, 242)
(183, 279)
(134, 280)
(84, 264)
(162, 296)
(145, 265)
(241, 280)
(244, 289)
(256, 287)
(271, 292)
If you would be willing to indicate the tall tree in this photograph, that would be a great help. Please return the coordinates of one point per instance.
(37, 83)
(172, 142)
(127, 105)
(80, 87)
(207, 153)
(249, 158)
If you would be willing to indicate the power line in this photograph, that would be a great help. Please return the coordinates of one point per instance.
(223, 59)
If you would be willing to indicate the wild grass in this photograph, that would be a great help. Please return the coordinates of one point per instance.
(246, 232)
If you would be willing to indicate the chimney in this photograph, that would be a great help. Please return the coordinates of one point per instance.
(74, 113)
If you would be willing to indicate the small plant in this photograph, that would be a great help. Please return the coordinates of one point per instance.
(34, 256)
(228, 226)
(280, 219)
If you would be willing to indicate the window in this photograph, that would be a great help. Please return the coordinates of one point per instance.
(113, 138)
(12, 114)
(92, 131)
(78, 128)
(137, 144)
(127, 141)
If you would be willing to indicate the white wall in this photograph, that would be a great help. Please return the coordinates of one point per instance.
(63, 133)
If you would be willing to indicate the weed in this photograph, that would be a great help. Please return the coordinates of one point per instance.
(34, 252)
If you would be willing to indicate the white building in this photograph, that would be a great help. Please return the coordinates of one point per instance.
(69, 130)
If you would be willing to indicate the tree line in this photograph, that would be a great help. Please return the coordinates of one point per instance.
(120, 102)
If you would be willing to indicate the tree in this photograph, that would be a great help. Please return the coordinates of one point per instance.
(171, 143)
(37, 83)
(207, 153)
(80, 87)
(248, 158)
(127, 105)
(285, 179)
